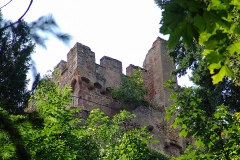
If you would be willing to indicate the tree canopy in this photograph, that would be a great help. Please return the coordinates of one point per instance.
(16, 48)
(204, 37)
(213, 24)
(207, 113)
(17, 43)
(51, 131)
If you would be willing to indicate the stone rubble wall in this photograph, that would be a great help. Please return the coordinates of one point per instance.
(91, 82)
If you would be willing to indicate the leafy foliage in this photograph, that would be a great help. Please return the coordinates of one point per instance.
(208, 32)
(15, 50)
(54, 135)
(16, 47)
(54, 132)
(131, 92)
(206, 113)
(213, 24)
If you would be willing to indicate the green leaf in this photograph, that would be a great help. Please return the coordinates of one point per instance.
(204, 36)
(224, 71)
(216, 42)
(193, 6)
(206, 52)
(199, 143)
(210, 20)
(217, 5)
(168, 116)
(188, 34)
(175, 123)
(173, 96)
(235, 47)
(175, 36)
(214, 66)
(217, 115)
(183, 133)
(235, 3)
(214, 57)
(169, 24)
(236, 29)
(199, 23)
(184, 126)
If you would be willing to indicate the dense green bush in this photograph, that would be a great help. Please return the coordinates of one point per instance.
(52, 132)
(131, 92)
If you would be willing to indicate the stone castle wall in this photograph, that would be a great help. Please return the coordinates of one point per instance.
(90, 83)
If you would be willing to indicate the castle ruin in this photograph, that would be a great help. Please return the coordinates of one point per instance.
(90, 83)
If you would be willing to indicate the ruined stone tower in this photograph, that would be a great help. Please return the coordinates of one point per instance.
(90, 83)
(156, 69)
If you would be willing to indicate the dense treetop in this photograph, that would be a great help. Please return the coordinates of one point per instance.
(213, 24)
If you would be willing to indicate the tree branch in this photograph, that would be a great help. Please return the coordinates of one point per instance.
(19, 19)
(5, 4)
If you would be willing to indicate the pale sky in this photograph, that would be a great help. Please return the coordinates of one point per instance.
(121, 29)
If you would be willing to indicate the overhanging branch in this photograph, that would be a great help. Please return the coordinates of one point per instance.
(19, 19)
(5, 4)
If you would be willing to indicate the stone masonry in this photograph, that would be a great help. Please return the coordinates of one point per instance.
(90, 83)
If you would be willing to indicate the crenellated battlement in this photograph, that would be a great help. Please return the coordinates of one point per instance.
(90, 83)
(81, 62)
(81, 66)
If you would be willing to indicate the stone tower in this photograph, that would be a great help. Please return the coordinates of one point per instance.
(159, 68)
(156, 70)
